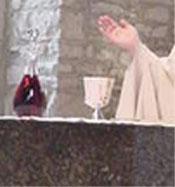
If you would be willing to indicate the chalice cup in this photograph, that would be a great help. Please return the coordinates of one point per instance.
(97, 93)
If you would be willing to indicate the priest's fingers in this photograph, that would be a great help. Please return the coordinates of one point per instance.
(103, 31)
(106, 21)
(110, 20)
(123, 23)
(108, 30)
(107, 24)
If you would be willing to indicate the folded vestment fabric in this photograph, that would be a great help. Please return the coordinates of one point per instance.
(148, 91)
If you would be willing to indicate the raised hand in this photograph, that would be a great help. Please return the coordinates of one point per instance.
(122, 33)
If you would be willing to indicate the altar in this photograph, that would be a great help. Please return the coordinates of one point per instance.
(77, 152)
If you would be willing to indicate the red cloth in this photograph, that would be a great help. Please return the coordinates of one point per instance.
(29, 98)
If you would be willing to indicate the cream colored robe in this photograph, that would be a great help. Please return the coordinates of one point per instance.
(148, 92)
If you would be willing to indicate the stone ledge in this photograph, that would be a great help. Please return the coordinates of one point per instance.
(76, 120)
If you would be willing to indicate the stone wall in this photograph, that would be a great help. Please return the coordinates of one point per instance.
(2, 57)
(83, 51)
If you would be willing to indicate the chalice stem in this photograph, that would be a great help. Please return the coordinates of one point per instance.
(97, 114)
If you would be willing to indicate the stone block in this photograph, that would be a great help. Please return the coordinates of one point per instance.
(29, 4)
(70, 105)
(71, 51)
(90, 51)
(16, 4)
(46, 21)
(14, 74)
(92, 67)
(110, 53)
(2, 79)
(105, 55)
(8, 107)
(51, 46)
(49, 83)
(162, 2)
(2, 18)
(70, 84)
(114, 2)
(75, 4)
(65, 68)
(100, 48)
(118, 74)
(144, 29)
(158, 13)
(160, 32)
(125, 59)
(1, 49)
(101, 8)
(72, 25)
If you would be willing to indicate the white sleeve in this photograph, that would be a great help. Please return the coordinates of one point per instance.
(169, 64)
(129, 98)
(172, 54)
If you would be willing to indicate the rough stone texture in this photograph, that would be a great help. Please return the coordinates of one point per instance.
(22, 16)
(2, 56)
(73, 29)
(79, 154)
(83, 51)
(160, 32)
(154, 149)
(158, 14)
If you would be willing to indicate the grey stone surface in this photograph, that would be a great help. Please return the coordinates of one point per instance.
(71, 51)
(167, 2)
(105, 7)
(154, 157)
(2, 56)
(71, 25)
(159, 14)
(160, 32)
(85, 154)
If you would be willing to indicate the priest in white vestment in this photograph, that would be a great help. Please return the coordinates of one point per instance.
(148, 91)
